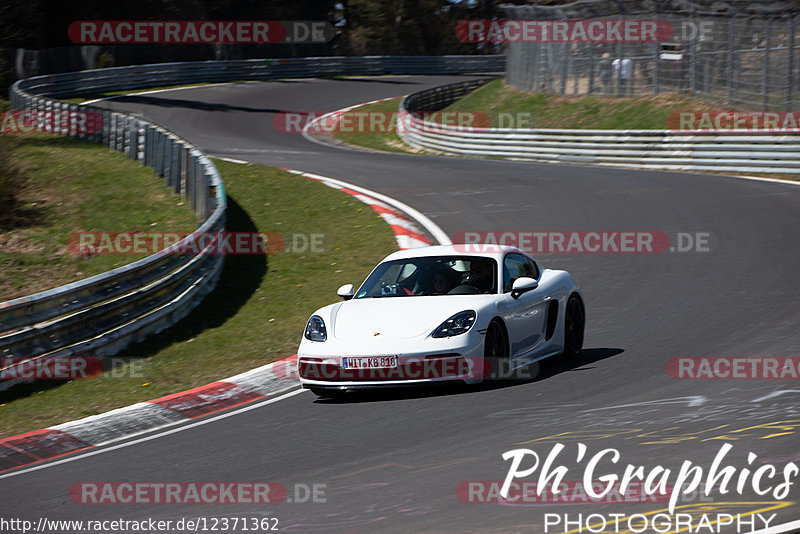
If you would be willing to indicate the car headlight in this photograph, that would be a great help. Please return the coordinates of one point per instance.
(315, 329)
(459, 323)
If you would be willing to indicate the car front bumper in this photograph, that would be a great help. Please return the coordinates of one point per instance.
(459, 358)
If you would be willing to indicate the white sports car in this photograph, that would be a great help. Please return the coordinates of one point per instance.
(432, 314)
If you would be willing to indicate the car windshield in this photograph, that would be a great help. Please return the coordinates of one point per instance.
(434, 275)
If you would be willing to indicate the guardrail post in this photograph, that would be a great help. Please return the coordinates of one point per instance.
(167, 151)
(142, 141)
(112, 132)
(197, 186)
(67, 117)
(154, 149)
(93, 134)
(42, 119)
(133, 146)
(146, 144)
(165, 156)
(171, 159)
(96, 120)
(161, 163)
(175, 162)
(126, 135)
(151, 146)
(202, 189)
(176, 176)
(191, 183)
(165, 165)
(58, 121)
(106, 127)
(73, 111)
(56, 107)
(119, 134)
(159, 153)
(162, 155)
(180, 185)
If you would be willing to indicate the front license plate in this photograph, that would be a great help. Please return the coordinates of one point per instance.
(371, 362)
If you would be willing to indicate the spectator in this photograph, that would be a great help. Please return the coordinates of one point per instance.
(623, 72)
(604, 70)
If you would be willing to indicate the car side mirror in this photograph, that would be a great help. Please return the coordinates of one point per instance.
(346, 291)
(521, 285)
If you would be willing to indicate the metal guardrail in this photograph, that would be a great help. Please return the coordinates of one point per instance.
(123, 78)
(648, 149)
(100, 315)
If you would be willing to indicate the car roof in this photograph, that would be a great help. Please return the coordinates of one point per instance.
(493, 251)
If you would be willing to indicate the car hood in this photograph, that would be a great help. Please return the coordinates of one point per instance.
(395, 317)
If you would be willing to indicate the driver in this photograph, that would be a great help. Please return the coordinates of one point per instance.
(481, 275)
(443, 282)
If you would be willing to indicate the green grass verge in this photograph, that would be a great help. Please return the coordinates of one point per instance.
(256, 314)
(388, 140)
(591, 112)
(496, 100)
(62, 186)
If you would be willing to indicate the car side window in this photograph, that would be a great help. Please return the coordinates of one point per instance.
(516, 266)
(534, 268)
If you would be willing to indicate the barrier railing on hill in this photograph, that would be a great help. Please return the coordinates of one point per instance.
(648, 149)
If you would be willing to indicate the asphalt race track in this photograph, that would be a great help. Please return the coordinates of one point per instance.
(393, 462)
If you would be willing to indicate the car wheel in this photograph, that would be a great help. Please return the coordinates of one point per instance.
(495, 351)
(574, 323)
